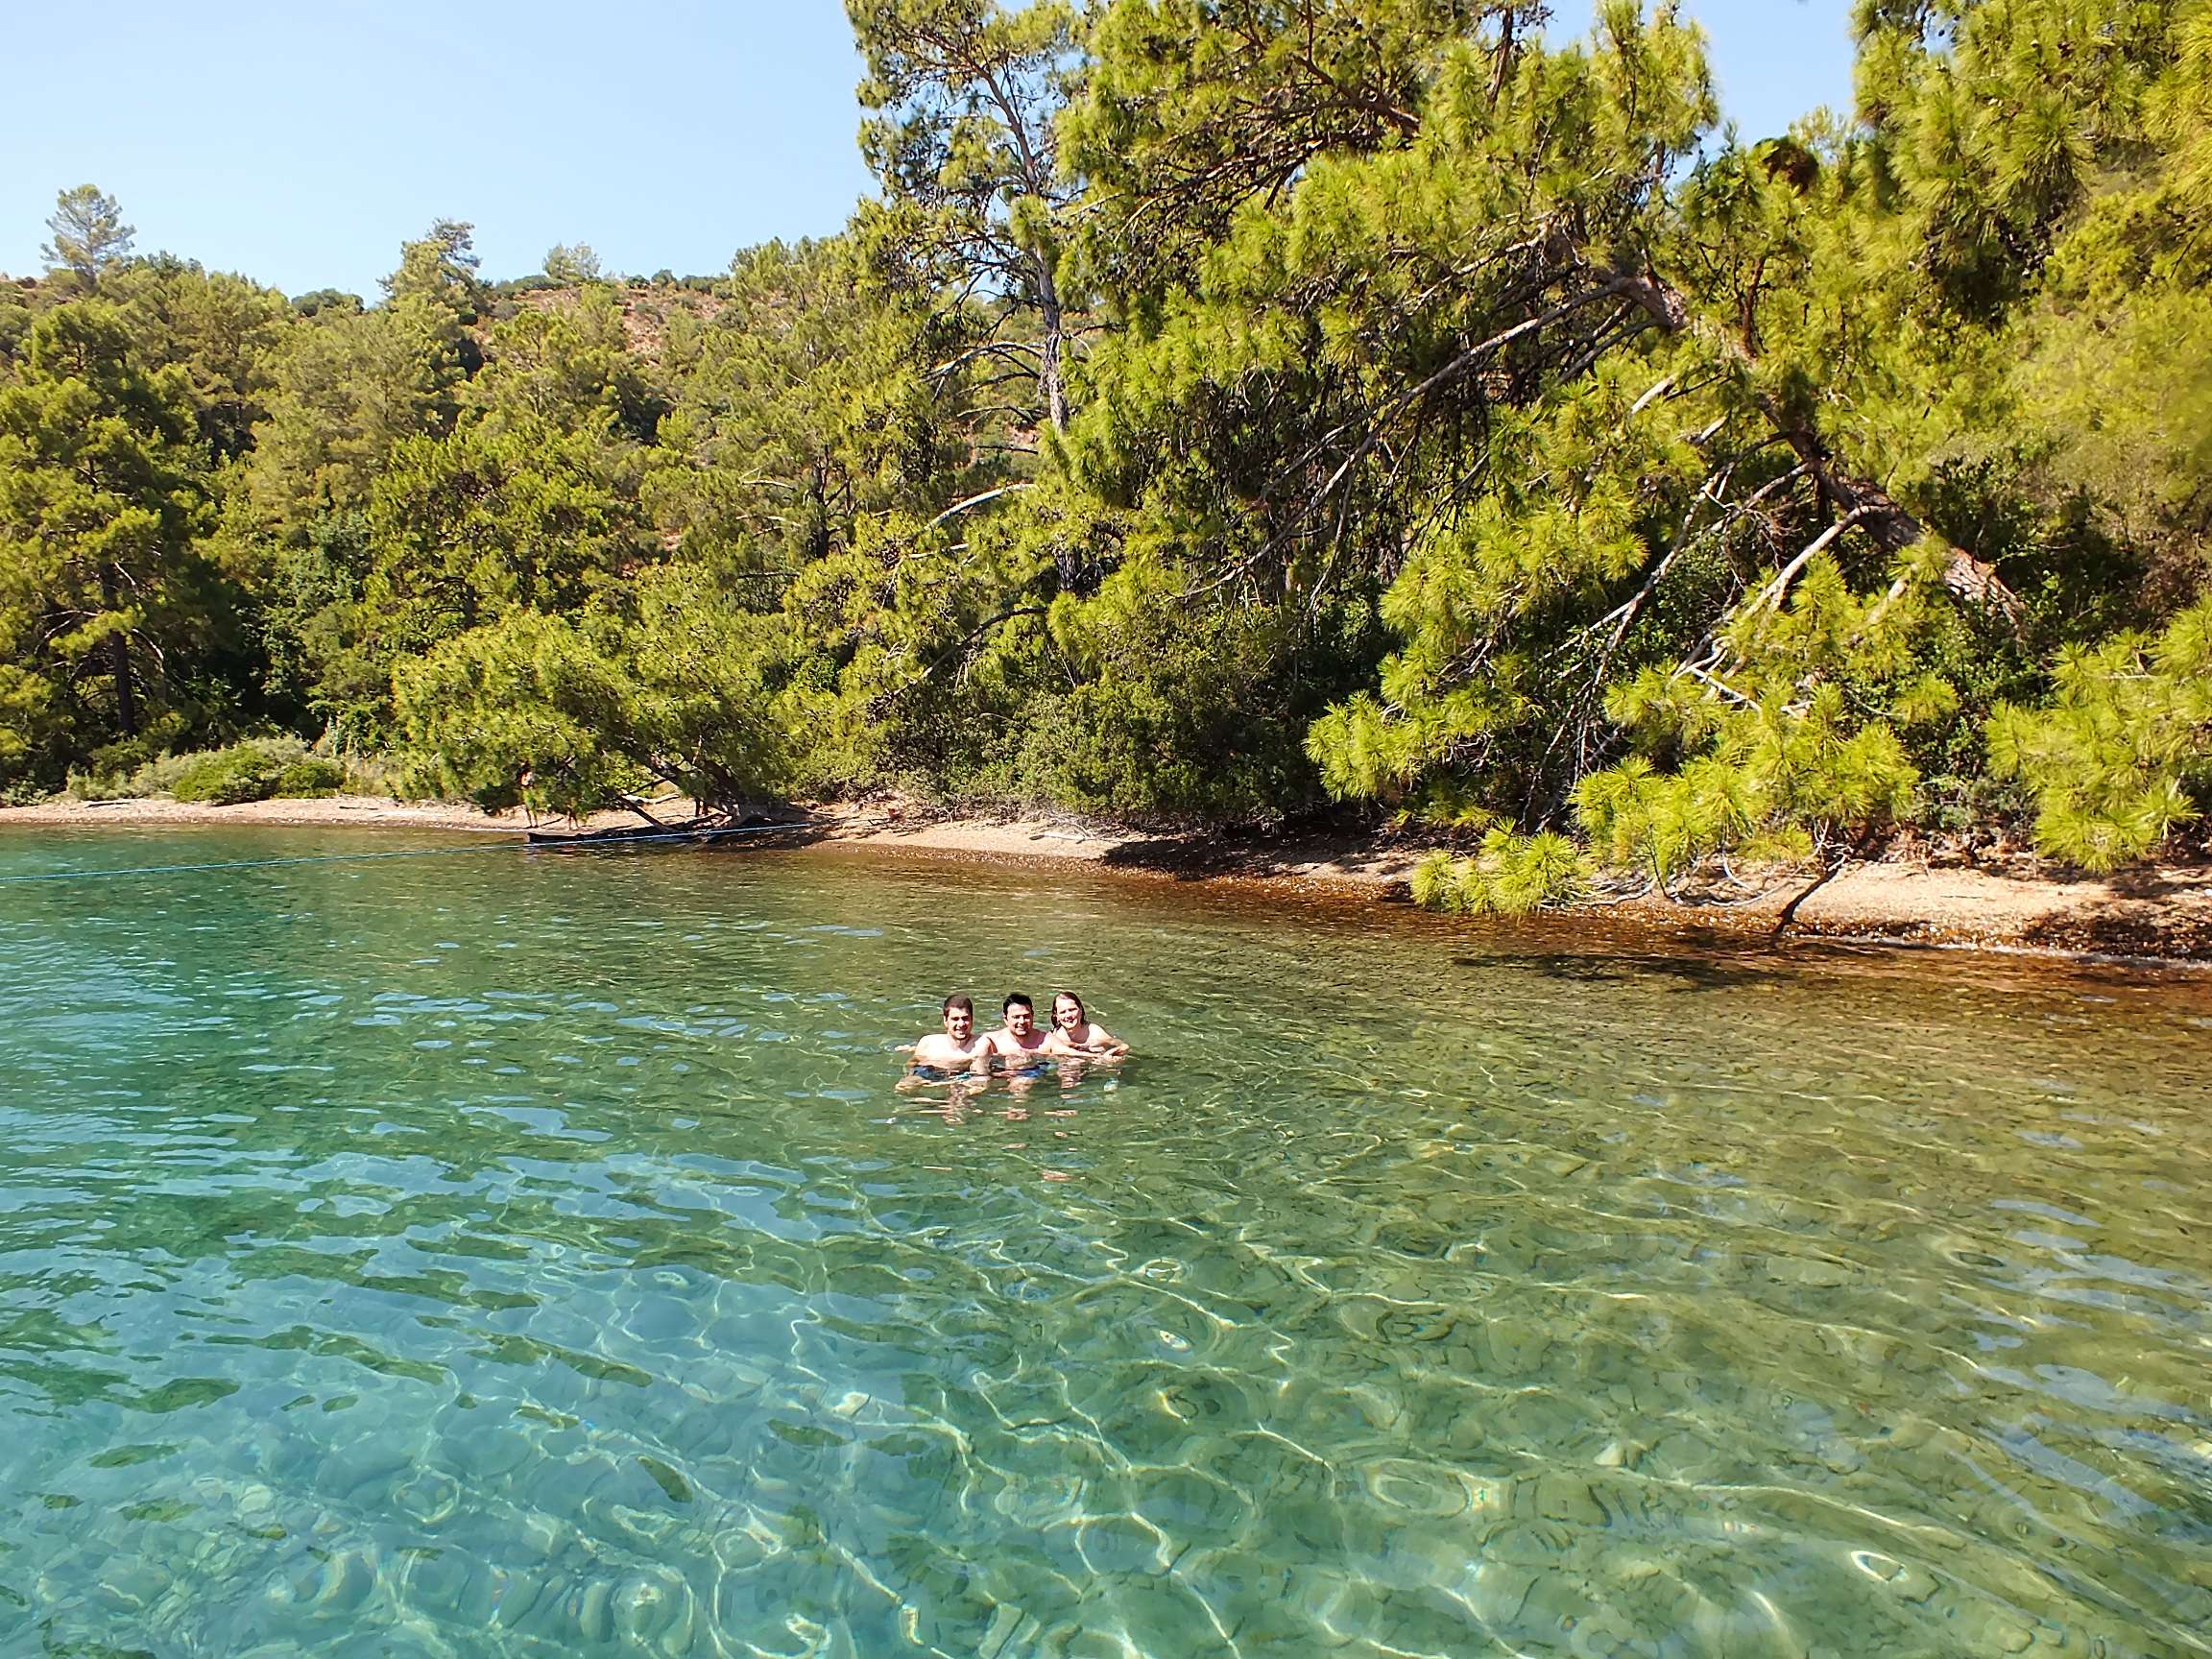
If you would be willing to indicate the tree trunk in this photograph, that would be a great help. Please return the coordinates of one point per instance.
(1049, 378)
(119, 655)
(1891, 527)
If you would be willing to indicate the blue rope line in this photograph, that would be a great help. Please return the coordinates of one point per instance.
(486, 845)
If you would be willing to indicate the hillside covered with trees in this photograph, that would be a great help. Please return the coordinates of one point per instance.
(1224, 411)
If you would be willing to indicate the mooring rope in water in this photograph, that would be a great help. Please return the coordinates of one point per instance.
(580, 843)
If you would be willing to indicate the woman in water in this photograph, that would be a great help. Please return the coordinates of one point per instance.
(1073, 1033)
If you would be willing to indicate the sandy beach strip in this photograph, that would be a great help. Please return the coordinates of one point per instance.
(2152, 911)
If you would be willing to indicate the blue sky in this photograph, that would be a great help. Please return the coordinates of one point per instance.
(302, 145)
(1774, 60)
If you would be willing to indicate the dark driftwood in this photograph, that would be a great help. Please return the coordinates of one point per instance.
(692, 831)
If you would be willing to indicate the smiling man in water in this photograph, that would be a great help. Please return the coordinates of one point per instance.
(1017, 1040)
(958, 1048)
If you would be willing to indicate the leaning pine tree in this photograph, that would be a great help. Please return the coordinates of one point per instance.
(1637, 430)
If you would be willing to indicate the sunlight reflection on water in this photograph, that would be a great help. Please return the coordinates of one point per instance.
(531, 1256)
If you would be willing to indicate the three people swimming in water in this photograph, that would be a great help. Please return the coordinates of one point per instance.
(1018, 1044)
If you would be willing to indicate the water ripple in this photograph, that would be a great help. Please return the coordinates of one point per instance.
(533, 1257)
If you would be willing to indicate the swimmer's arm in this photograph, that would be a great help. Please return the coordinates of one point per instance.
(1104, 1041)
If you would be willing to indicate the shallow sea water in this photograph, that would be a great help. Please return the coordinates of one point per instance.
(528, 1254)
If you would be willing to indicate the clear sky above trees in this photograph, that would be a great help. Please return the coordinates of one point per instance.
(302, 145)
(1774, 59)
(664, 133)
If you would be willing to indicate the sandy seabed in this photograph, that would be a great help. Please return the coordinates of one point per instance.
(2150, 911)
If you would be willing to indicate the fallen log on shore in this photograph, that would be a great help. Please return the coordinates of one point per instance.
(707, 828)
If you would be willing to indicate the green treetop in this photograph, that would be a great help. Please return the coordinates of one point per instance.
(89, 235)
(966, 93)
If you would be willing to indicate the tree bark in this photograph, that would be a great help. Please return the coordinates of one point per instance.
(1891, 527)
(1049, 376)
(1830, 869)
(119, 655)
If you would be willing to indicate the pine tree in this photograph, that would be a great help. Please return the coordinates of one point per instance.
(965, 94)
(575, 715)
(2122, 756)
(102, 498)
(89, 235)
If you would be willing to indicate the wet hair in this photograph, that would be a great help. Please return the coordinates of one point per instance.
(1014, 996)
(958, 999)
(1081, 1013)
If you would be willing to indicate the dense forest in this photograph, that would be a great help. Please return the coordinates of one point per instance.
(1223, 410)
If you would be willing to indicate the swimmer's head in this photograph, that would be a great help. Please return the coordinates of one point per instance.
(959, 1016)
(1067, 1010)
(1019, 1013)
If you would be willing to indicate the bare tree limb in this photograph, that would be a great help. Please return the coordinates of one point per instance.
(959, 507)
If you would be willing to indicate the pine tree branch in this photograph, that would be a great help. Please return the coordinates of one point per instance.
(959, 507)
(1892, 528)
(1772, 594)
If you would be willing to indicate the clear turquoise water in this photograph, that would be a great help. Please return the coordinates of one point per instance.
(515, 1253)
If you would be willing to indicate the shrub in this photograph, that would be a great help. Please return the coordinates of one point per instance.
(111, 772)
(367, 774)
(155, 776)
(228, 777)
(315, 775)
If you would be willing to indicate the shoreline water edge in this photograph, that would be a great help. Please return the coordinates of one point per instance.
(2154, 912)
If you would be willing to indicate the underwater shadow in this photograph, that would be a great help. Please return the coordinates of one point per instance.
(1212, 855)
(1691, 972)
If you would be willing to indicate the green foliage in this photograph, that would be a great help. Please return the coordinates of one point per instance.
(347, 388)
(807, 413)
(1511, 876)
(963, 140)
(15, 314)
(106, 594)
(220, 332)
(523, 711)
(458, 530)
(1783, 649)
(1222, 408)
(30, 728)
(89, 235)
(573, 717)
(312, 776)
(229, 777)
(2122, 756)
(567, 366)
(572, 264)
(1179, 712)
(139, 769)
